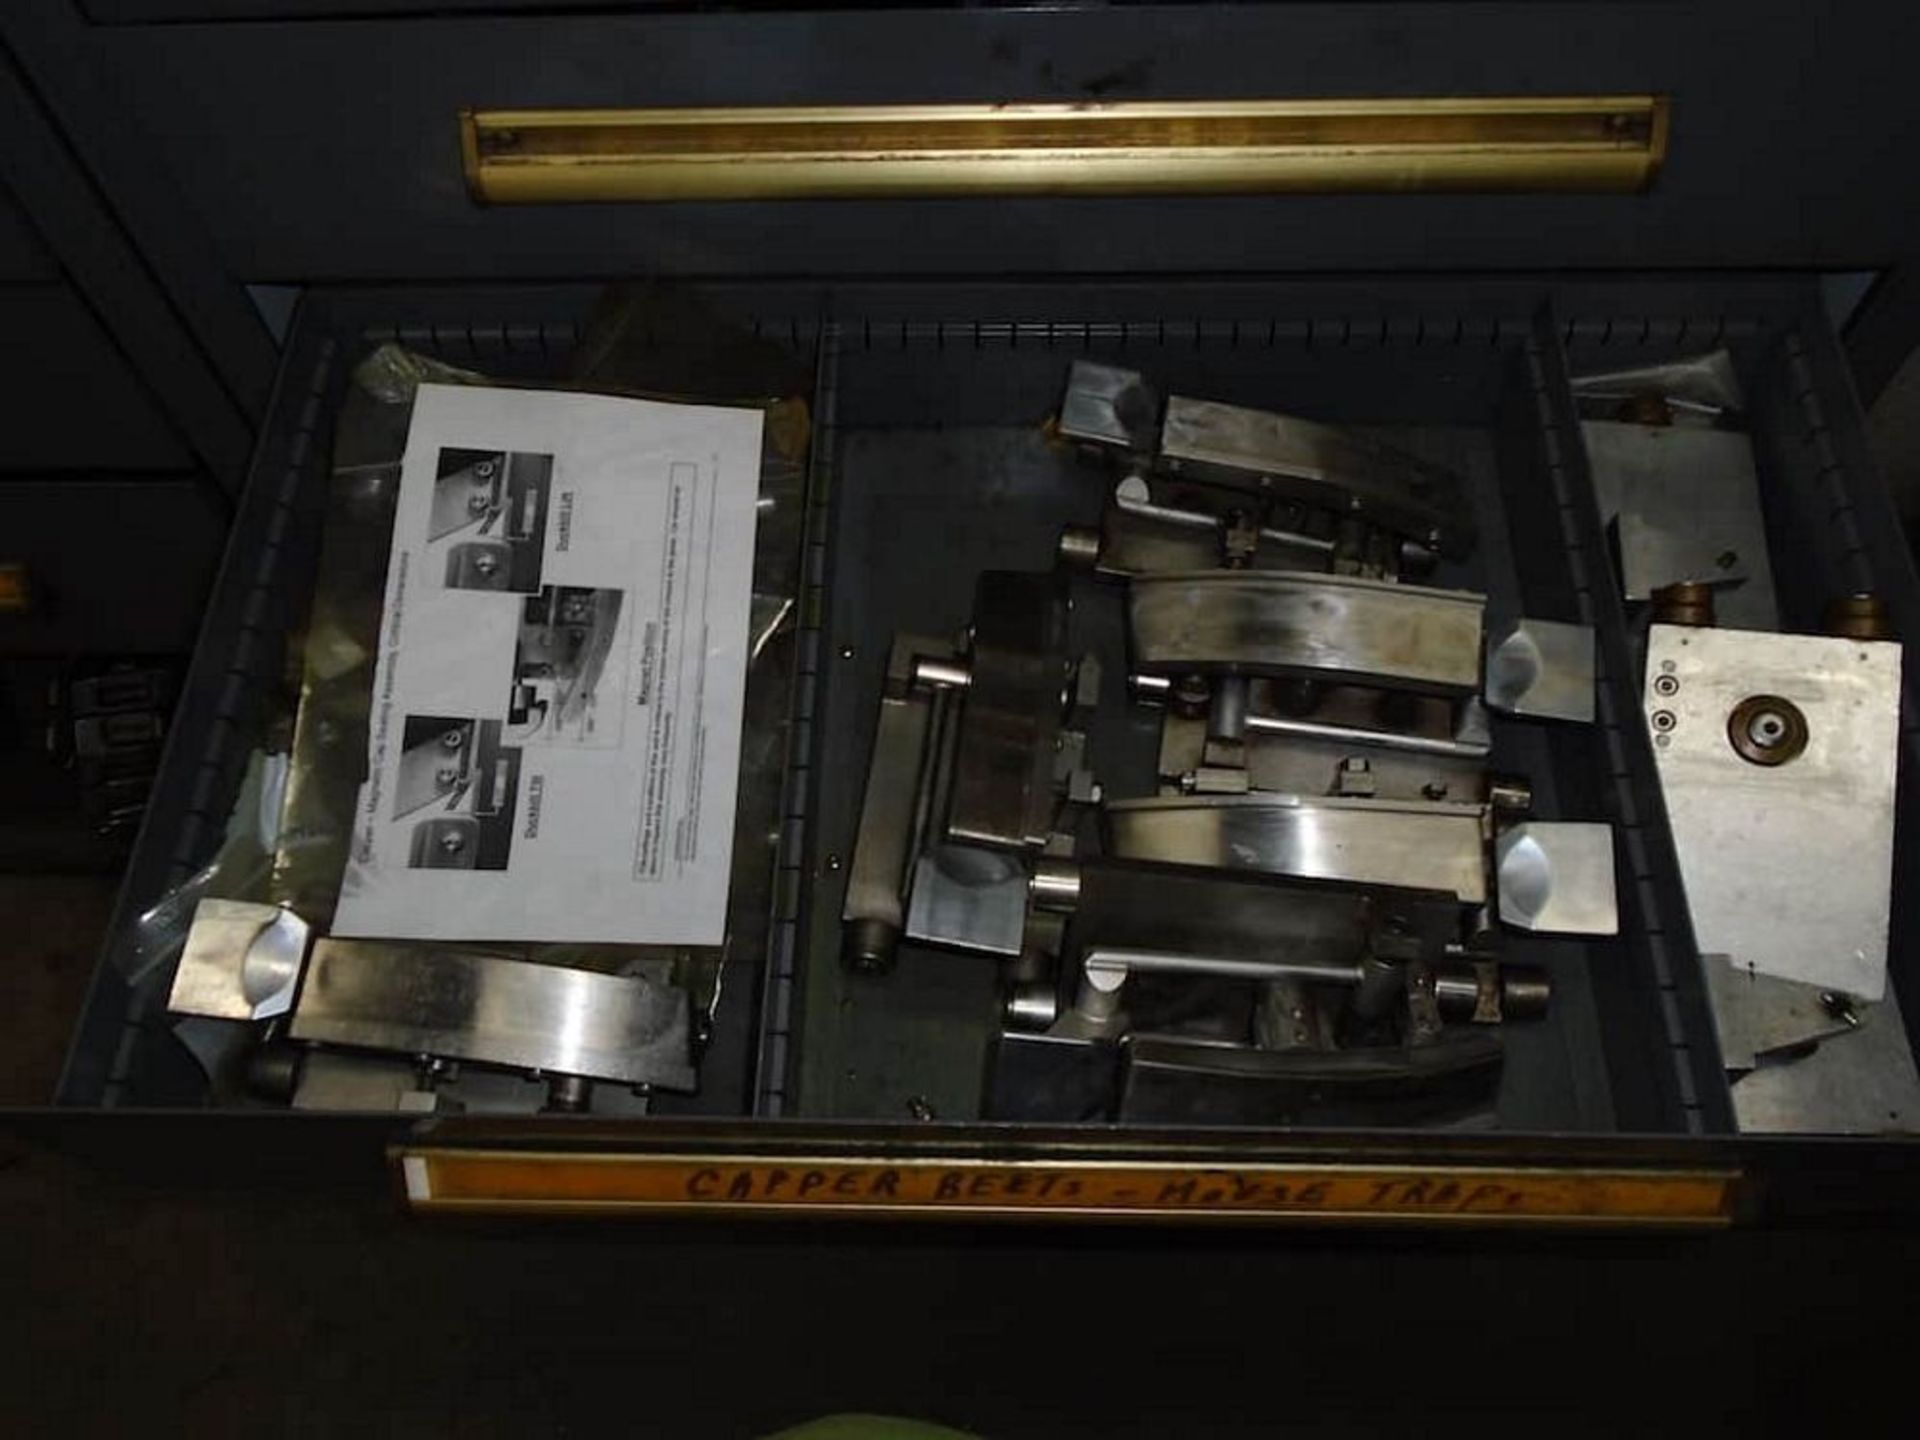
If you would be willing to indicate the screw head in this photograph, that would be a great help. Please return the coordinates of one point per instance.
(1664, 720)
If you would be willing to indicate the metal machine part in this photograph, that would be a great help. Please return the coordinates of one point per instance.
(1420, 846)
(1759, 1017)
(969, 897)
(1861, 616)
(973, 760)
(1777, 755)
(1448, 1082)
(1543, 669)
(875, 905)
(1557, 877)
(1106, 405)
(241, 962)
(1319, 464)
(1302, 738)
(1150, 524)
(1461, 990)
(1350, 1002)
(1317, 627)
(335, 1081)
(463, 1005)
(1302, 910)
(1684, 602)
(1553, 877)
(1019, 689)
(1861, 1082)
(1704, 388)
(1685, 503)
(1258, 490)
(247, 962)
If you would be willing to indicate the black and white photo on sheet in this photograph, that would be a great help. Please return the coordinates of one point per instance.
(463, 784)
(570, 587)
(569, 667)
(487, 528)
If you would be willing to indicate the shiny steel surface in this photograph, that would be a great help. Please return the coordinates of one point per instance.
(1788, 868)
(241, 961)
(1862, 1082)
(1056, 883)
(1557, 876)
(1336, 468)
(1117, 960)
(1375, 842)
(877, 874)
(1319, 626)
(1106, 405)
(1474, 748)
(1003, 787)
(1542, 668)
(1757, 1016)
(970, 899)
(416, 999)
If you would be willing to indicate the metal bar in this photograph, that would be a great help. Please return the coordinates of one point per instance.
(1382, 739)
(1199, 520)
(1576, 143)
(1122, 961)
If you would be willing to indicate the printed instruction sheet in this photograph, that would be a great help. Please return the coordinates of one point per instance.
(554, 745)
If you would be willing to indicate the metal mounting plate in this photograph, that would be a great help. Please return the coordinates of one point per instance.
(1788, 868)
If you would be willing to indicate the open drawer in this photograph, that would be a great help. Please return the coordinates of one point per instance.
(932, 459)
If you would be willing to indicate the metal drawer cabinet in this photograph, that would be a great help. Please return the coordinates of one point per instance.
(825, 1089)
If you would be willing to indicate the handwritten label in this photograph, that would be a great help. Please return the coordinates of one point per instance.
(463, 1179)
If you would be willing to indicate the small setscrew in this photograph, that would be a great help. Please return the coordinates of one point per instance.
(1665, 685)
(1839, 1006)
(1664, 720)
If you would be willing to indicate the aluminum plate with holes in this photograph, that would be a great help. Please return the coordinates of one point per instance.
(1556, 877)
(1318, 626)
(1366, 842)
(1787, 867)
(241, 961)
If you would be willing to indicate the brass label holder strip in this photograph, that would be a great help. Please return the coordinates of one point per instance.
(1607, 143)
